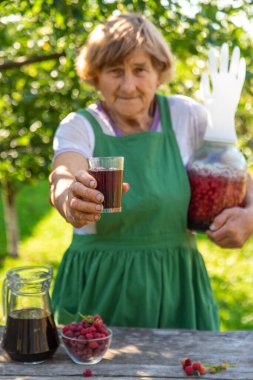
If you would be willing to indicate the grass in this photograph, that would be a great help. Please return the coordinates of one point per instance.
(231, 275)
(44, 236)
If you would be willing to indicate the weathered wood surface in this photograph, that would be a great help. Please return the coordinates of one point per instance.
(147, 354)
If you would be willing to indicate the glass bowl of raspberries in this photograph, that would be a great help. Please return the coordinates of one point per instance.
(86, 341)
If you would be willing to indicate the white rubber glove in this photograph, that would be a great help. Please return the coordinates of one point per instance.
(222, 100)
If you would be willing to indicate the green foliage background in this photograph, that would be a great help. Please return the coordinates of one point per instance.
(35, 97)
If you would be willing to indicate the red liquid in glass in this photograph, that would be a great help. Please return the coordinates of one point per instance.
(30, 340)
(109, 182)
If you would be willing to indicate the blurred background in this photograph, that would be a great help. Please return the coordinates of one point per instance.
(39, 40)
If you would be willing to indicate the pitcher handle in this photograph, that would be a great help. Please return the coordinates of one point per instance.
(5, 298)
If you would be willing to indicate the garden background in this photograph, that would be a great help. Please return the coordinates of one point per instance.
(39, 40)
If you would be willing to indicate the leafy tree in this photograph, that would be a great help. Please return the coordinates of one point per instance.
(39, 41)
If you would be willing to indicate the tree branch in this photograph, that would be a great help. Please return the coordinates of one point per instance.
(22, 61)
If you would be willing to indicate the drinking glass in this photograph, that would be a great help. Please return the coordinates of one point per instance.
(108, 172)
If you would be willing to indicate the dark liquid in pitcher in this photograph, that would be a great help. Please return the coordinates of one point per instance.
(30, 335)
(109, 182)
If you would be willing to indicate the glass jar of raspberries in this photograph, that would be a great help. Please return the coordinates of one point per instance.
(217, 173)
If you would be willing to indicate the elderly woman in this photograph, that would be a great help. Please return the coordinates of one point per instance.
(139, 267)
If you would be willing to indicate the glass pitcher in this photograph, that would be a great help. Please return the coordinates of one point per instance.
(30, 333)
(217, 173)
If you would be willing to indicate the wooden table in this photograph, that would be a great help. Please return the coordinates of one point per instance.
(148, 354)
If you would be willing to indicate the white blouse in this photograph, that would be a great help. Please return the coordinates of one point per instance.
(75, 134)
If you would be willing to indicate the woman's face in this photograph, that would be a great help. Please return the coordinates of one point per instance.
(128, 88)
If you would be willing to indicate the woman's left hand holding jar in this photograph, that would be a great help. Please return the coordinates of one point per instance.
(233, 226)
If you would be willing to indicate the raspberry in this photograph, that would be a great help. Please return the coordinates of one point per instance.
(187, 362)
(87, 372)
(196, 366)
(65, 329)
(69, 333)
(89, 336)
(188, 370)
(72, 326)
(93, 344)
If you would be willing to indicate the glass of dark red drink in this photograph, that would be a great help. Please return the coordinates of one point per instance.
(30, 333)
(108, 172)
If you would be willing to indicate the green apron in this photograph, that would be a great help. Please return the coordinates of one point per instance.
(142, 267)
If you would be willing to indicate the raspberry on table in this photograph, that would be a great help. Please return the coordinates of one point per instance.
(187, 362)
(87, 372)
(196, 366)
(189, 370)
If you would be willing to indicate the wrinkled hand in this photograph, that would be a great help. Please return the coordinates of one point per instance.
(84, 202)
(231, 228)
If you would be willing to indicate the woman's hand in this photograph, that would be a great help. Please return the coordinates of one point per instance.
(73, 190)
(84, 202)
(232, 227)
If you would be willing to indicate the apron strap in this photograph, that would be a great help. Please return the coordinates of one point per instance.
(164, 110)
(93, 121)
(168, 130)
